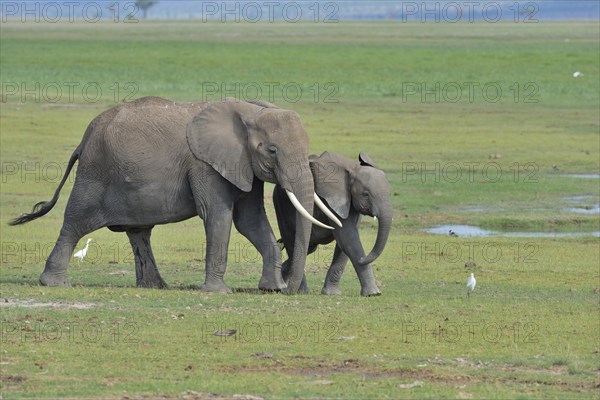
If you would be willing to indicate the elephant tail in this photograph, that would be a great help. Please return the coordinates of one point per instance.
(43, 207)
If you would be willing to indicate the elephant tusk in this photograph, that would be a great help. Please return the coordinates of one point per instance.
(303, 211)
(327, 211)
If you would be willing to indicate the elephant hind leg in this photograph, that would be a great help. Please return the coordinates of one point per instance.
(82, 216)
(55, 272)
(146, 271)
(73, 229)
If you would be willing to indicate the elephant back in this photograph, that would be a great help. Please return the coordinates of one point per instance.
(136, 134)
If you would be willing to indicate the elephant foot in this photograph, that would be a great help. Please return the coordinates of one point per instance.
(153, 284)
(47, 279)
(303, 287)
(331, 290)
(368, 292)
(271, 284)
(219, 287)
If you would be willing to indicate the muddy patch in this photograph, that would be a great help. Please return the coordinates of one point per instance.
(12, 378)
(321, 371)
(187, 395)
(58, 305)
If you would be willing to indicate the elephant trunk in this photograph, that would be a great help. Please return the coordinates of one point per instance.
(303, 189)
(385, 225)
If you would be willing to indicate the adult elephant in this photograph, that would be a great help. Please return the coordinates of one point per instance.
(351, 189)
(153, 161)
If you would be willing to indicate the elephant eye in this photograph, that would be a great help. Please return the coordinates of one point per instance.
(365, 193)
(272, 150)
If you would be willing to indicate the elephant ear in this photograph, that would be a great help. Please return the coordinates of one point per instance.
(219, 137)
(332, 182)
(365, 160)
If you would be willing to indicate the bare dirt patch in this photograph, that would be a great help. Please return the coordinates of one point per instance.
(192, 395)
(31, 303)
(470, 373)
(12, 378)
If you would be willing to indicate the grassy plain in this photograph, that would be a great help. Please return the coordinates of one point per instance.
(531, 328)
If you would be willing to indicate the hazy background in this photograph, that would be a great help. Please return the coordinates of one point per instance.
(338, 10)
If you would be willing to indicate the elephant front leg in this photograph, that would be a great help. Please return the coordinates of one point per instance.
(218, 229)
(368, 284)
(348, 240)
(146, 271)
(251, 221)
(334, 274)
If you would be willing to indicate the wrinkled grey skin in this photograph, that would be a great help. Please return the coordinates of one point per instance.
(350, 189)
(153, 161)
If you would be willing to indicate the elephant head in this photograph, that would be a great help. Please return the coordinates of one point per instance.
(243, 140)
(344, 183)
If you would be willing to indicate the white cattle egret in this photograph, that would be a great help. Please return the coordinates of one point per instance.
(471, 282)
(577, 74)
(80, 255)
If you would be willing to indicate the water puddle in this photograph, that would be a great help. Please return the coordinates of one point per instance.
(474, 231)
(475, 209)
(460, 230)
(580, 176)
(585, 210)
(584, 204)
(587, 204)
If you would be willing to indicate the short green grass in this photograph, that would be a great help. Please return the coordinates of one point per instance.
(530, 329)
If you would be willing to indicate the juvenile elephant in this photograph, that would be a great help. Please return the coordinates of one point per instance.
(153, 161)
(350, 189)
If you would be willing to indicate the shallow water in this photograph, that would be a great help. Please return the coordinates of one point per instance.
(586, 204)
(580, 176)
(474, 231)
(460, 230)
(585, 210)
(583, 204)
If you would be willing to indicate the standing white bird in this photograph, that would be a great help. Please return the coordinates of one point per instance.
(471, 282)
(80, 255)
(577, 74)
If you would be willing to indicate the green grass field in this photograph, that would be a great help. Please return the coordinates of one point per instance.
(467, 120)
